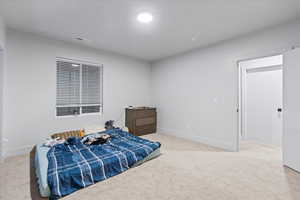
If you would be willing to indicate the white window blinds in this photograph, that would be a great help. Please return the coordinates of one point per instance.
(68, 83)
(79, 88)
(91, 85)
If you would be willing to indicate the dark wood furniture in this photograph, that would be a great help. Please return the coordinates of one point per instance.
(141, 120)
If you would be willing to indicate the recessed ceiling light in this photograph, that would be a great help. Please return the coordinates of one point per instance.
(75, 65)
(145, 17)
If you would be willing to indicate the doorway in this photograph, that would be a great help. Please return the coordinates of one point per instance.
(260, 100)
(1, 100)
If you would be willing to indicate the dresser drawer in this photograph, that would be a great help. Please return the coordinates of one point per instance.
(147, 129)
(145, 121)
(144, 113)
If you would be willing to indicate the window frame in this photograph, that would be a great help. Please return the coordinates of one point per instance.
(80, 62)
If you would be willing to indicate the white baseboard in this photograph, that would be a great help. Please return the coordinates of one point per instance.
(197, 138)
(165, 131)
(17, 151)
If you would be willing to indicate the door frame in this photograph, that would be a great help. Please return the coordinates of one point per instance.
(242, 72)
(1, 103)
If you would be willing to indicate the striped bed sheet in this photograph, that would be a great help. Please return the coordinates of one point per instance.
(41, 167)
(73, 165)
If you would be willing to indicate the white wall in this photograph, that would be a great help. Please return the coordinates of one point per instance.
(30, 88)
(2, 51)
(197, 93)
(291, 107)
(1, 100)
(2, 33)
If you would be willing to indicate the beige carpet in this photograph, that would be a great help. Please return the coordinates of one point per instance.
(185, 170)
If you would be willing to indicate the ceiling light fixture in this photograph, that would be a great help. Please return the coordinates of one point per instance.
(145, 17)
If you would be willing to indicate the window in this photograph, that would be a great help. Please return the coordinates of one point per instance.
(78, 88)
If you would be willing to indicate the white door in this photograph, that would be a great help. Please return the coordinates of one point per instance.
(263, 105)
(291, 134)
(1, 100)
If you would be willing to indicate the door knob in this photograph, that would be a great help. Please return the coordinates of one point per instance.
(279, 109)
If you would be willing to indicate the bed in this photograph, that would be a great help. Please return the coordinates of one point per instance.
(124, 150)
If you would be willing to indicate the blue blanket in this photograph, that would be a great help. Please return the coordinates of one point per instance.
(74, 165)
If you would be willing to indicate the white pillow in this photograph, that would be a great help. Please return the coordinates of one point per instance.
(94, 129)
(97, 129)
(125, 129)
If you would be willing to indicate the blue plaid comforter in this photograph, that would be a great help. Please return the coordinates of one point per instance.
(74, 165)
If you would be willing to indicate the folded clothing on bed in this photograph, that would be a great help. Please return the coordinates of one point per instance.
(74, 165)
(95, 139)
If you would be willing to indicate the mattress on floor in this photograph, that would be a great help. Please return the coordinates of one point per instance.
(41, 167)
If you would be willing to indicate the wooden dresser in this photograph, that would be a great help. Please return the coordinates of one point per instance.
(141, 120)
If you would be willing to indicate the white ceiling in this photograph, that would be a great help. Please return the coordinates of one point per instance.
(178, 26)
